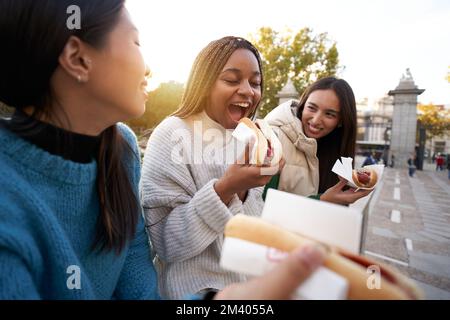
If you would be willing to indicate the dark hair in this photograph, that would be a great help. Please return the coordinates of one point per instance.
(33, 34)
(205, 71)
(341, 141)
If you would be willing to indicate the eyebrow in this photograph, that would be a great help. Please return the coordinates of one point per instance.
(328, 110)
(235, 70)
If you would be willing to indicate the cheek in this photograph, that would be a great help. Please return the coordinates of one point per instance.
(257, 96)
(219, 97)
(305, 116)
(332, 124)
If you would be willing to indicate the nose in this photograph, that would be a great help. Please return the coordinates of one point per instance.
(316, 118)
(246, 89)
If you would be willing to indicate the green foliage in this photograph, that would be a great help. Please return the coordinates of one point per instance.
(303, 56)
(161, 102)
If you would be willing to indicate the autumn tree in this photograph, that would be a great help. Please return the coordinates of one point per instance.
(302, 56)
(5, 110)
(162, 101)
(435, 119)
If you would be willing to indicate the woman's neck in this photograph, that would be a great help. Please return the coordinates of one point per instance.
(69, 121)
(56, 141)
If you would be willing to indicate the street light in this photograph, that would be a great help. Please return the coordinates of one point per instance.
(422, 140)
(387, 137)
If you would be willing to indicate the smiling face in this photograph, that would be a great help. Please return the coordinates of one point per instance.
(237, 90)
(321, 113)
(118, 77)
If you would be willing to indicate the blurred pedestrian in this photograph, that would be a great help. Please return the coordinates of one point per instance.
(369, 160)
(412, 165)
(439, 162)
(448, 165)
(392, 161)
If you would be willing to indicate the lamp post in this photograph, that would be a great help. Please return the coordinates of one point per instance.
(387, 137)
(421, 150)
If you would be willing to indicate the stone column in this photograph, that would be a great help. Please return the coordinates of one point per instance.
(404, 120)
(288, 92)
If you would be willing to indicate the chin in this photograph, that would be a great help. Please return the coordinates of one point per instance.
(133, 113)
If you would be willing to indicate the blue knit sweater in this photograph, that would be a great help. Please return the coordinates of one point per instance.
(48, 213)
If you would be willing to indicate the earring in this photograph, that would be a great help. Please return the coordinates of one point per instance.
(79, 78)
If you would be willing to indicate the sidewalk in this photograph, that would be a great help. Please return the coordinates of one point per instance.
(409, 227)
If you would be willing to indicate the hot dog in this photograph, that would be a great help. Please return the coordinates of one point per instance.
(268, 150)
(352, 267)
(365, 177)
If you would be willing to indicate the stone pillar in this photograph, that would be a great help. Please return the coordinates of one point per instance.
(404, 120)
(288, 92)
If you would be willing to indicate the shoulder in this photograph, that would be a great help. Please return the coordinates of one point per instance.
(129, 137)
(281, 114)
(22, 212)
(165, 132)
(170, 124)
(132, 156)
(127, 134)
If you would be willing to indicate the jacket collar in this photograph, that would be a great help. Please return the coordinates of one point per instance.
(285, 117)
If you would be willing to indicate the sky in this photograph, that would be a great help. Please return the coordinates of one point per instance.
(376, 40)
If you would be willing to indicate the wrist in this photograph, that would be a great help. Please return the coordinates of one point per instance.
(222, 191)
(243, 195)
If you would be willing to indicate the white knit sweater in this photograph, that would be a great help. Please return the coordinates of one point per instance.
(184, 215)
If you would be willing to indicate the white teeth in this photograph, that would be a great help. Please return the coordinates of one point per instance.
(242, 104)
(314, 129)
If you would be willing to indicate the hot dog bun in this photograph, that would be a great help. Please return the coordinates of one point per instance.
(360, 175)
(352, 267)
(268, 149)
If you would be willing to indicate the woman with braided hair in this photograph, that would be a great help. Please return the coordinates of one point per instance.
(188, 201)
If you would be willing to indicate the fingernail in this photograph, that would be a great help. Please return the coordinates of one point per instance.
(311, 255)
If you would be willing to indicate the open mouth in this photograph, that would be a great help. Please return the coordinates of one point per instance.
(238, 110)
(314, 130)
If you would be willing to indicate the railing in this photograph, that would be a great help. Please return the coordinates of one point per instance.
(364, 205)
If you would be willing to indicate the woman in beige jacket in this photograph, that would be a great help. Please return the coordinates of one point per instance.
(314, 133)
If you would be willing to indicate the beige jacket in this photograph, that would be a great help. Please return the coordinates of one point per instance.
(301, 172)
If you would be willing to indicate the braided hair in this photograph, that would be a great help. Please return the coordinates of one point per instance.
(205, 71)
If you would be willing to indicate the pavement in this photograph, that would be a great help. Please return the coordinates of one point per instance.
(409, 227)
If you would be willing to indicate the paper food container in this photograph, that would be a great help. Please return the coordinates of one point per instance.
(344, 169)
(245, 136)
(253, 259)
(325, 222)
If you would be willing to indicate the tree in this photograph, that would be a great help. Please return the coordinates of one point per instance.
(162, 101)
(5, 110)
(303, 56)
(435, 119)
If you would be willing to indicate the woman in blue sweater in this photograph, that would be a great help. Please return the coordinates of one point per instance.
(70, 220)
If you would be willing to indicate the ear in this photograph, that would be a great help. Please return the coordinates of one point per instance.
(74, 59)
